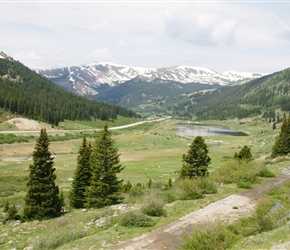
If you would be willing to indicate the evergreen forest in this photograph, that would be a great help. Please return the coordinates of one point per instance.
(264, 94)
(27, 93)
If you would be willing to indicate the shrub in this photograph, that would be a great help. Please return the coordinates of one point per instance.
(59, 238)
(136, 219)
(266, 173)
(11, 212)
(214, 237)
(264, 220)
(238, 171)
(187, 189)
(136, 190)
(276, 191)
(244, 184)
(127, 187)
(206, 185)
(149, 183)
(63, 233)
(154, 206)
(169, 182)
(170, 197)
(260, 221)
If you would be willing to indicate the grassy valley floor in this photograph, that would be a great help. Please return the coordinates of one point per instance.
(150, 151)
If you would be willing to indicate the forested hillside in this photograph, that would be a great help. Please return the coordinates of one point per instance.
(27, 93)
(255, 97)
(137, 91)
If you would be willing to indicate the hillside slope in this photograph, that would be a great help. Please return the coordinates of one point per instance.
(29, 94)
(138, 91)
(266, 93)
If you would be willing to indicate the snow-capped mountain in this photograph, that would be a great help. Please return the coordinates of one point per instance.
(90, 79)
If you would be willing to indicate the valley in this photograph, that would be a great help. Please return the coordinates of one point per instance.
(151, 150)
(152, 127)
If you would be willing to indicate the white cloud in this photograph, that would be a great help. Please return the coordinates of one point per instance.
(216, 35)
(100, 27)
(101, 54)
(225, 24)
(200, 25)
(224, 33)
(123, 42)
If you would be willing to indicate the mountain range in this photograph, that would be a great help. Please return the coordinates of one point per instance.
(164, 91)
(93, 78)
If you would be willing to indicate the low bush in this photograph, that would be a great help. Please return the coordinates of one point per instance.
(170, 197)
(188, 189)
(206, 185)
(136, 219)
(126, 187)
(11, 212)
(261, 221)
(154, 206)
(237, 171)
(245, 185)
(63, 233)
(136, 190)
(214, 236)
(266, 173)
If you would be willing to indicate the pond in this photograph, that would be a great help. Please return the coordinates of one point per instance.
(195, 129)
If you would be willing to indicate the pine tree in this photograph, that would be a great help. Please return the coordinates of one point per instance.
(43, 199)
(244, 154)
(104, 189)
(82, 176)
(196, 161)
(282, 143)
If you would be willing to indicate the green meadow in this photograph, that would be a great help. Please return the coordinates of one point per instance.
(150, 151)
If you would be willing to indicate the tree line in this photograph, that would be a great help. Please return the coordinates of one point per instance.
(29, 94)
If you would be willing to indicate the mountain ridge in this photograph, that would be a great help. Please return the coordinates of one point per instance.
(92, 78)
(26, 93)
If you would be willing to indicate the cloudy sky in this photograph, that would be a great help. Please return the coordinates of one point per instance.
(226, 35)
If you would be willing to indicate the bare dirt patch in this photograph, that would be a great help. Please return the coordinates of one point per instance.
(26, 124)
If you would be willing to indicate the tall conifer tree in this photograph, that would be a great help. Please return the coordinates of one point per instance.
(196, 161)
(82, 176)
(43, 199)
(104, 189)
(282, 142)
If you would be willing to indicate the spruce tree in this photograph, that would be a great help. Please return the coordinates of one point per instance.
(244, 154)
(282, 143)
(82, 176)
(104, 189)
(43, 199)
(196, 161)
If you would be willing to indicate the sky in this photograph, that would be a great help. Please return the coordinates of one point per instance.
(247, 36)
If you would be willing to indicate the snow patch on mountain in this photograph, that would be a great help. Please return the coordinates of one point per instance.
(89, 77)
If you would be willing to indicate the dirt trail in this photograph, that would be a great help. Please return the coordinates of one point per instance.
(230, 208)
(26, 126)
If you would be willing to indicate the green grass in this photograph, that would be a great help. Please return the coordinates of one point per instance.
(148, 151)
(95, 124)
(7, 126)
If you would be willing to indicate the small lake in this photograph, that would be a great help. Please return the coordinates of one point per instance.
(195, 129)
